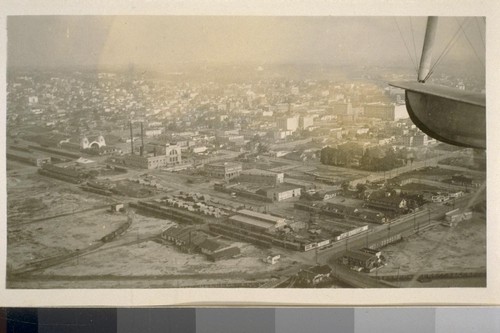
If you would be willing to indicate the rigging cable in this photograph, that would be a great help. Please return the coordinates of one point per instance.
(447, 49)
(414, 47)
(480, 32)
(472, 46)
(406, 46)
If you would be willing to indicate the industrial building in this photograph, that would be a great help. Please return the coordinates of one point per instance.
(262, 177)
(263, 230)
(28, 157)
(71, 175)
(172, 158)
(187, 239)
(281, 193)
(224, 170)
(163, 156)
(251, 220)
(191, 240)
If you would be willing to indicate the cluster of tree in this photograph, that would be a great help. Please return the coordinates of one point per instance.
(256, 145)
(372, 159)
(335, 156)
(413, 200)
(376, 160)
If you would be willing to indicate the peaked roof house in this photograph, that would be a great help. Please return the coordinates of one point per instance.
(315, 274)
(386, 201)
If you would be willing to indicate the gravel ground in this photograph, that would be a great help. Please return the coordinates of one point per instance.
(462, 248)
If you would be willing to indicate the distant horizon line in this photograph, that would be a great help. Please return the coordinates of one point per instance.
(173, 66)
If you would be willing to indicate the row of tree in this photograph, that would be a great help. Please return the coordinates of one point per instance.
(372, 159)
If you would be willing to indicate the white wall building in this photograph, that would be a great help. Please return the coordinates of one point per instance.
(288, 123)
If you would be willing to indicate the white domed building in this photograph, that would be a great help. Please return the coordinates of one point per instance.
(93, 142)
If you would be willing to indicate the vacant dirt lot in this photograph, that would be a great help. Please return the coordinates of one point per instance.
(440, 249)
(153, 259)
(58, 236)
(33, 196)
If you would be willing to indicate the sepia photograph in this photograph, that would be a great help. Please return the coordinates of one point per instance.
(246, 152)
(249, 153)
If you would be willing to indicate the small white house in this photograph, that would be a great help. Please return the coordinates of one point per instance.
(272, 259)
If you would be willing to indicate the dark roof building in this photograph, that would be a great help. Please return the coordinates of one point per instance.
(209, 246)
(362, 259)
(315, 274)
(386, 201)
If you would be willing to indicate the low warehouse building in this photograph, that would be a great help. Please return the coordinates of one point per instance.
(261, 177)
(251, 220)
(224, 170)
(30, 158)
(281, 193)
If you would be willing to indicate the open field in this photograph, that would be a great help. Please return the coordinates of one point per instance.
(33, 196)
(58, 236)
(133, 254)
(440, 249)
(150, 259)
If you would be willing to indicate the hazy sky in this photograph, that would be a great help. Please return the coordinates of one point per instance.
(164, 40)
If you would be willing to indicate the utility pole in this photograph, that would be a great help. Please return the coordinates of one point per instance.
(398, 275)
(388, 232)
(414, 218)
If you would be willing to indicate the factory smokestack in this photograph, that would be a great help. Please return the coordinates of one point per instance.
(142, 139)
(131, 139)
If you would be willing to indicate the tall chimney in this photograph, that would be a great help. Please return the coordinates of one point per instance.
(131, 139)
(142, 139)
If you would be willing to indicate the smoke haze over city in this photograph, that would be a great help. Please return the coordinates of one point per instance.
(166, 41)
